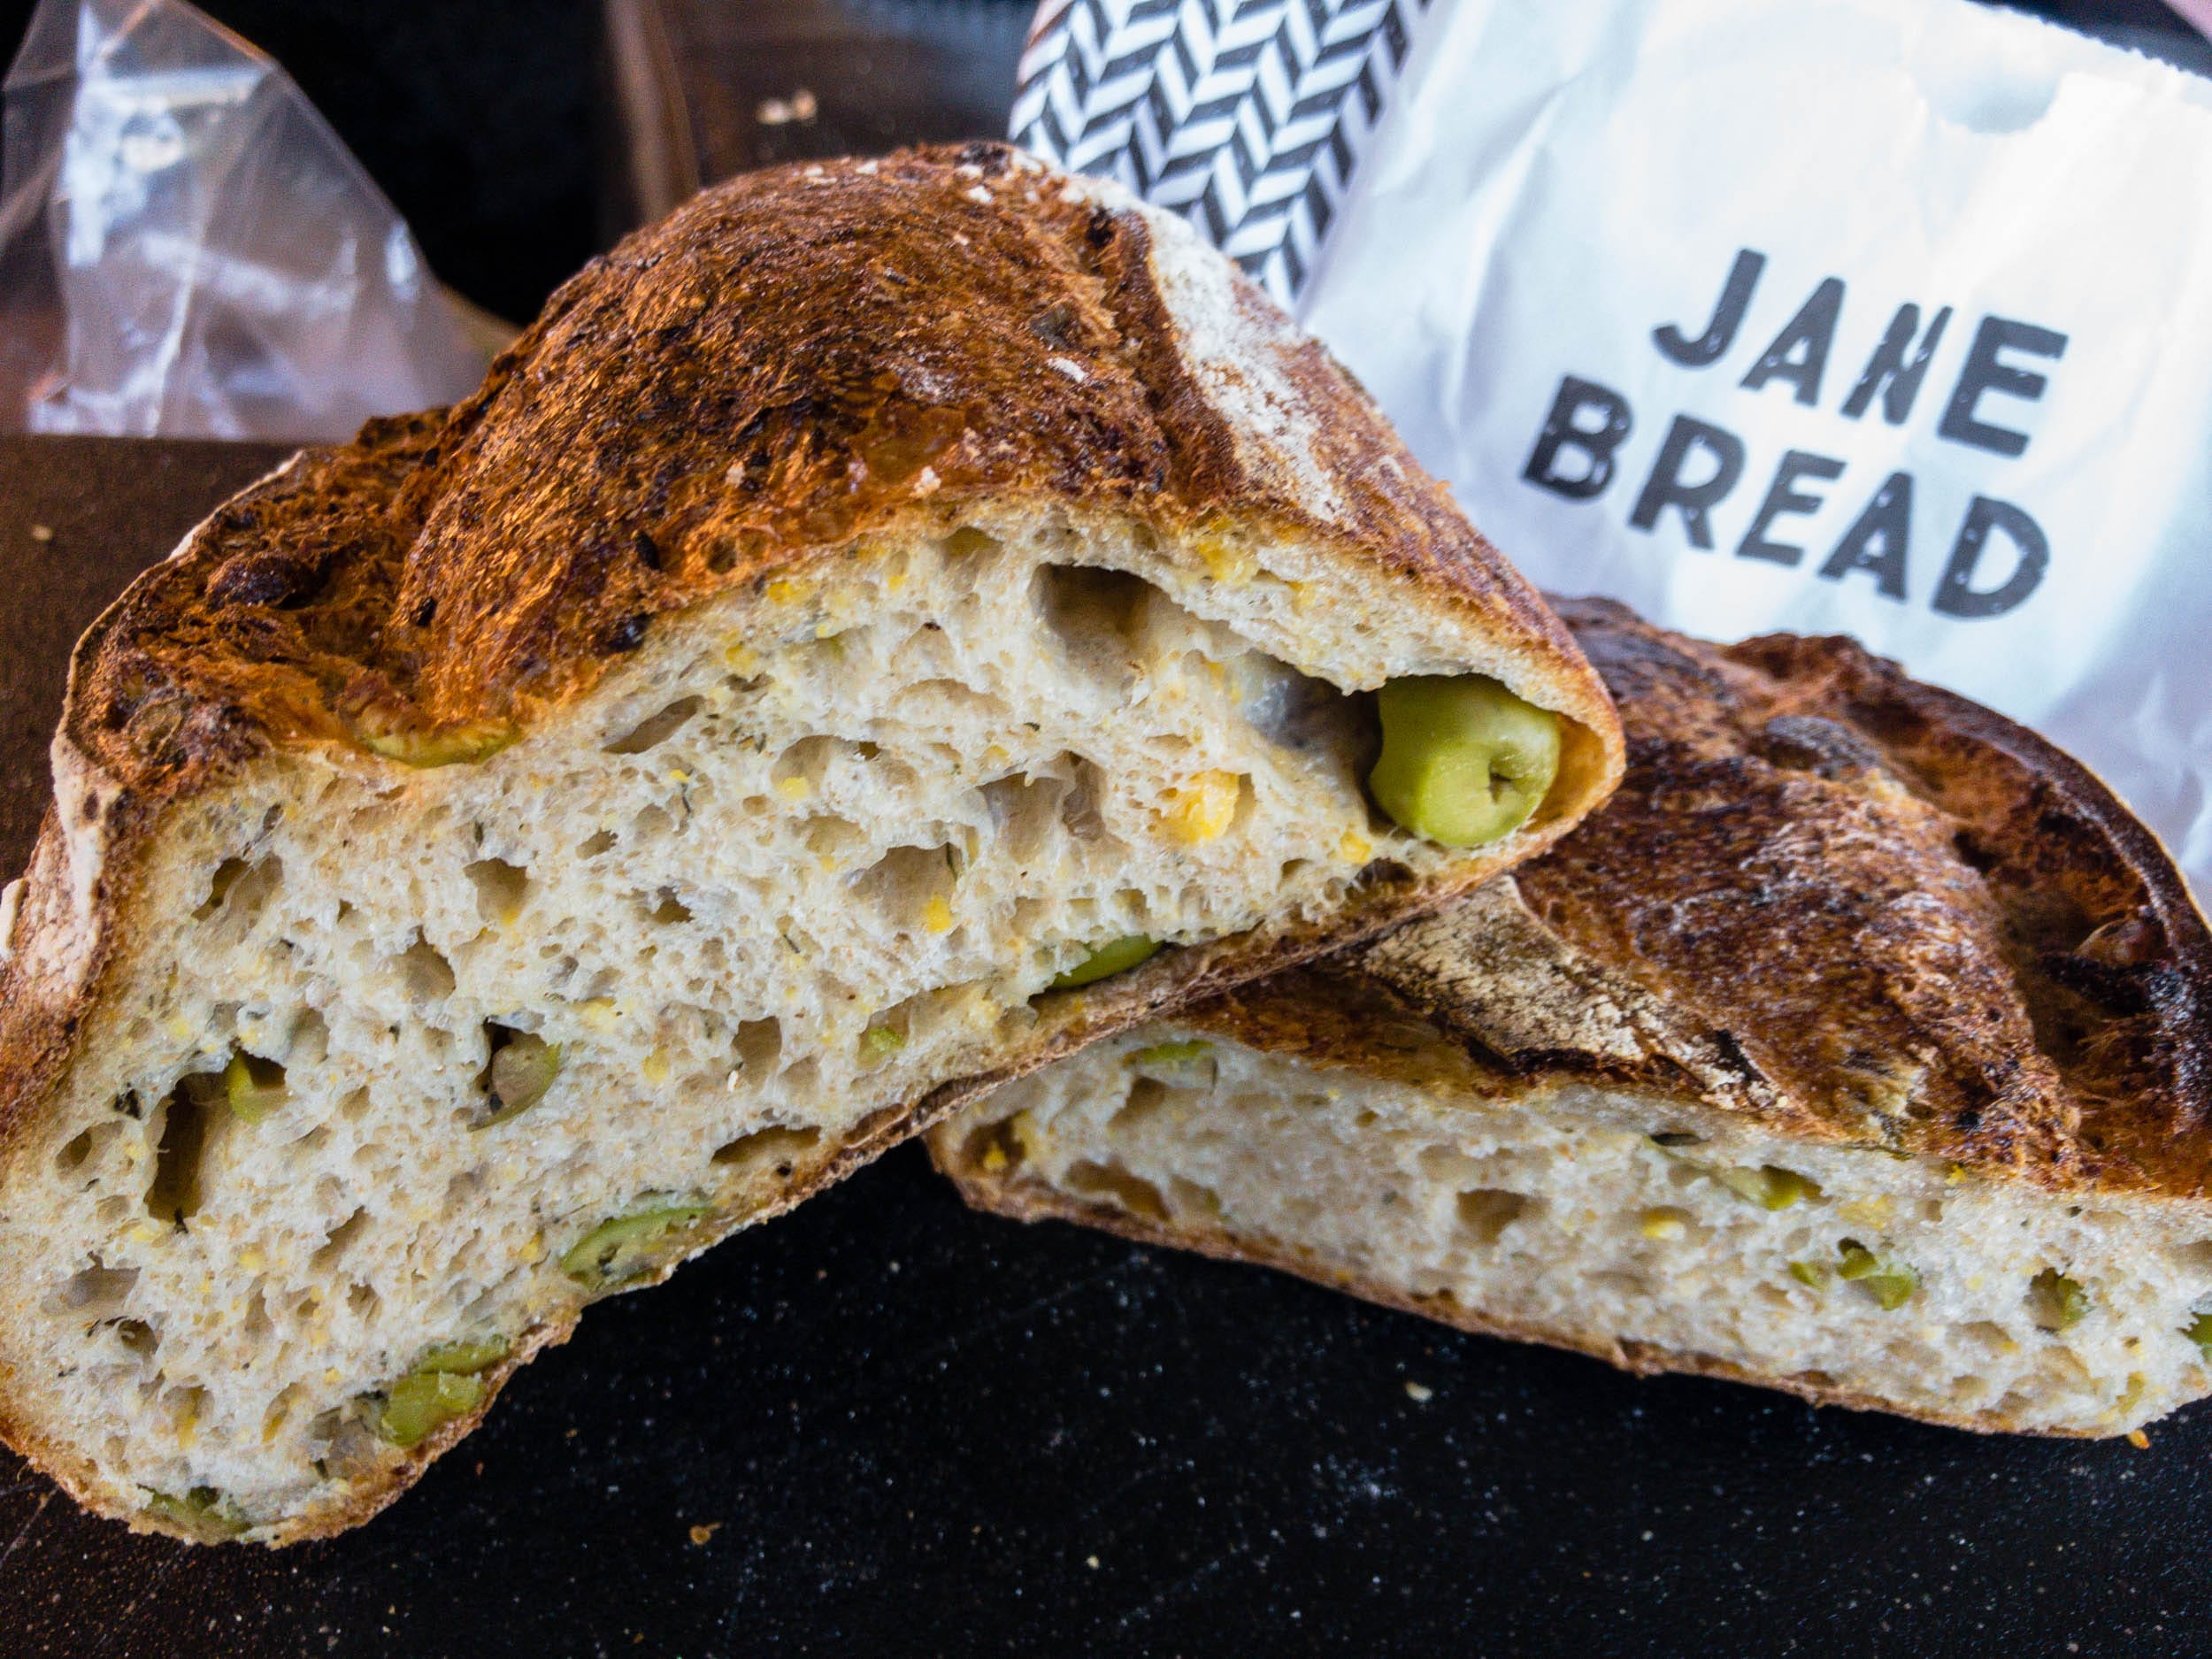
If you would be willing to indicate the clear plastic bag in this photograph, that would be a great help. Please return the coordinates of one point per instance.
(187, 249)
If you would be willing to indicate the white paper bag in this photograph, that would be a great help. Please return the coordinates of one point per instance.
(1884, 317)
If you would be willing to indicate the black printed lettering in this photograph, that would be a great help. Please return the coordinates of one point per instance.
(1570, 427)
(1783, 498)
(1799, 352)
(1878, 538)
(1983, 372)
(1668, 487)
(1720, 334)
(1888, 373)
(1956, 596)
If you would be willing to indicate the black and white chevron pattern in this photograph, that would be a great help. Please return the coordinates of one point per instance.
(1246, 116)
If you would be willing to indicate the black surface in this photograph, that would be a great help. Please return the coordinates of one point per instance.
(913, 1429)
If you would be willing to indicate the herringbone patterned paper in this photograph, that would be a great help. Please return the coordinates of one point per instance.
(1246, 116)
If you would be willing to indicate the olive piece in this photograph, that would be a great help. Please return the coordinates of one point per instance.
(453, 745)
(2200, 1332)
(423, 1402)
(465, 1358)
(616, 1250)
(253, 1087)
(1464, 760)
(1770, 1187)
(2058, 1303)
(1117, 957)
(522, 1069)
(204, 1512)
(1889, 1283)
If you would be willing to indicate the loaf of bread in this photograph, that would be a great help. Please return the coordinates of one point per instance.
(880, 628)
(1859, 1048)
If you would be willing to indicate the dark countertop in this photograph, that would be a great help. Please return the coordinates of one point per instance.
(913, 1430)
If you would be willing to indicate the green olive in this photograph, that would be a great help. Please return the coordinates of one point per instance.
(616, 1251)
(2058, 1302)
(1118, 956)
(1464, 760)
(1769, 1187)
(423, 1402)
(253, 1087)
(881, 1042)
(448, 746)
(465, 1358)
(1890, 1285)
(1812, 1275)
(204, 1512)
(2200, 1332)
(522, 1069)
(1187, 1064)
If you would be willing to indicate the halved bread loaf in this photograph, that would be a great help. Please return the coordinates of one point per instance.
(1859, 1047)
(492, 860)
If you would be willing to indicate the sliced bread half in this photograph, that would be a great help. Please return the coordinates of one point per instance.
(1859, 1047)
(880, 628)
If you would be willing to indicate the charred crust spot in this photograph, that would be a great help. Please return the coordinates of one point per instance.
(648, 552)
(425, 612)
(1923, 912)
(628, 633)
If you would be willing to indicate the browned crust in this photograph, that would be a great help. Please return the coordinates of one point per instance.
(1840, 903)
(1020, 1200)
(793, 360)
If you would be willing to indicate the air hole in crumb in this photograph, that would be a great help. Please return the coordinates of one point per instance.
(236, 898)
(670, 909)
(758, 1043)
(356, 1105)
(78, 1150)
(337, 1241)
(776, 1148)
(799, 1079)
(500, 888)
(1024, 810)
(426, 974)
(138, 1336)
(257, 1326)
(363, 1302)
(186, 1116)
(1080, 811)
(1488, 1212)
(1112, 1184)
(1147, 1096)
(592, 846)
(655, 729)
(307, 1042)
(968, 542)
(1091, 611)
(219, 887)
(95, 1294)
(901, 884)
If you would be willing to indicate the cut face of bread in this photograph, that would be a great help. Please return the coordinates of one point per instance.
(1856, 1048)
(494, 861)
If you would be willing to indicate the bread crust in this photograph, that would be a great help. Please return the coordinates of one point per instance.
(793, 360)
